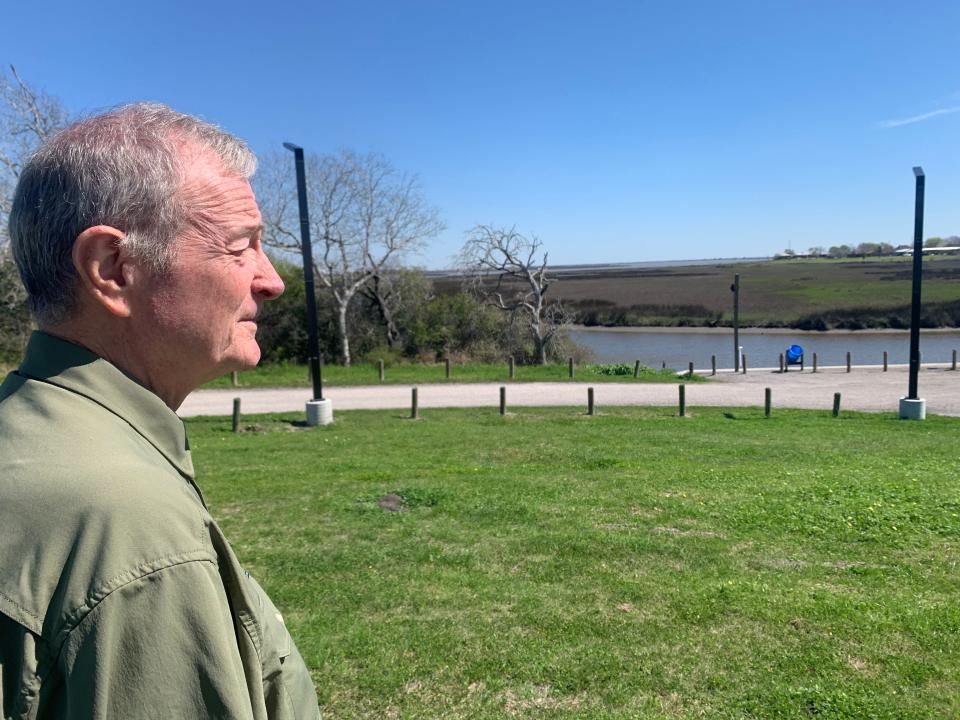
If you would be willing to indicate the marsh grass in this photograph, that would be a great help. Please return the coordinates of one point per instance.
(628, 565)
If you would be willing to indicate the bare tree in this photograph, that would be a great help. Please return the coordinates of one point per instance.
(510, 270)
(364, 216)
(392, 293)
(27, 118)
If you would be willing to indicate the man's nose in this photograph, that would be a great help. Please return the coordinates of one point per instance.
(267, 282)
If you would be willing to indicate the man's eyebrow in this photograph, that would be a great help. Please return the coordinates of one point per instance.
(248, 230)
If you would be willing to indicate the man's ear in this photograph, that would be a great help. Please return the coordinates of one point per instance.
(105, 268)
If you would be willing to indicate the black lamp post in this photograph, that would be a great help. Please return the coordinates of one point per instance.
(313, 343)
(735, 289)
(917, 277)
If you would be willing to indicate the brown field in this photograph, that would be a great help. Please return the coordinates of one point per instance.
(772, 293)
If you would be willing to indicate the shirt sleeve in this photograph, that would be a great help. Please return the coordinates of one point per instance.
(162, 646)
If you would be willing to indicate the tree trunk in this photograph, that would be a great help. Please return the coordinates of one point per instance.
(342, 327)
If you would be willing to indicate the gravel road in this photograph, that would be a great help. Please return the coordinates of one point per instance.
(866, 388)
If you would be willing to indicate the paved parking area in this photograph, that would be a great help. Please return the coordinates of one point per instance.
(866, 388)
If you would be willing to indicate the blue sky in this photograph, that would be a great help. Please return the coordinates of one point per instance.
(615, 131)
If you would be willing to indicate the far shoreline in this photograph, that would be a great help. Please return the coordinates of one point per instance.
(706, 330)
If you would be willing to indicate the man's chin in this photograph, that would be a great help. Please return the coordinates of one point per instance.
(246, 358)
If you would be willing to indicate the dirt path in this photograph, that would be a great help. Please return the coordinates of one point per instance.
(865, 388)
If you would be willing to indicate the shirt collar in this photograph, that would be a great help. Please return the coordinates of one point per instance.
(58, 362)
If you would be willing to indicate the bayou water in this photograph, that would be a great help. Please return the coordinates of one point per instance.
(678, 346)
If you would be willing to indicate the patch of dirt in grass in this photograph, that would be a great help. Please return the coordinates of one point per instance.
(521, 702)
(783, 563)
(861, 665)
(677, 532)
(391, 502)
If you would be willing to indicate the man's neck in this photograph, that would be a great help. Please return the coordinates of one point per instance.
(123, 353)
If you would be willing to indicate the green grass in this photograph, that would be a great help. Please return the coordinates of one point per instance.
(628, 565)
(290, 375)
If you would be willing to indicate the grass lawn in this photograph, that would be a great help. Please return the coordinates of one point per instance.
(290, 375)
(628, 565)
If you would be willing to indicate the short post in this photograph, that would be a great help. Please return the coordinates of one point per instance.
(848, 361)
(683, 399)
(380, 369)
(570, 367)
(236, 414)
(781, 362)
(511, 365)
(663, 365)
(589, 401)
(743, 363)
(814, 362)
(636, 367)
(235, 377)
(836, 404)
(766, 402)
(503, 400)
(713, 364)
(414, 404)
(446, 368)
(690, 371)
(953, 365)
(884, 360)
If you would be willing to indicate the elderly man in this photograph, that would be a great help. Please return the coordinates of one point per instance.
(137, 237)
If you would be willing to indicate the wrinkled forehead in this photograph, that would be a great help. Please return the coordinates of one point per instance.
(216, 192)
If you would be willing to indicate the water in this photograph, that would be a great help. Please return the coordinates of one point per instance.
(677, 347)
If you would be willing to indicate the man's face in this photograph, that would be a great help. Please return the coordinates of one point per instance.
(205, 306)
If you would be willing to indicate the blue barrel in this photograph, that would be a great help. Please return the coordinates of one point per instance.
(794, 354)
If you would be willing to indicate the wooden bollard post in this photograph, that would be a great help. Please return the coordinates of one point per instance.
(512, 366)
(570, 368)
(690, 370)
(235, 378)
(683, 399)
(236, 414)
(503, 400)
(848, 362)
(589, 401)
(766, 402)
(953, 365)
(414, 404)
(743, 363)
(636, 367)
(884, 360)
(446, 368)
(781, 362)
(380, 369)
(836, 404)
(713, 364)
(814, 362)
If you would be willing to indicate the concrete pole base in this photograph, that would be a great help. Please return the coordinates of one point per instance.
(319, 412)
(913, 409)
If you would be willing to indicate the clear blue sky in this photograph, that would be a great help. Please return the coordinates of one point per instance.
(615, 131)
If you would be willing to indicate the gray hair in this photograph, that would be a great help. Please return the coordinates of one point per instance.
(126, 169)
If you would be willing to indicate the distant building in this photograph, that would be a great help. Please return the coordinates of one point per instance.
(947, 250)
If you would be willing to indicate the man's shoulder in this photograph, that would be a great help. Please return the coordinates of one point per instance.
(86, 505)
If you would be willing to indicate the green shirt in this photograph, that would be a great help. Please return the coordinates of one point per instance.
(119, 595)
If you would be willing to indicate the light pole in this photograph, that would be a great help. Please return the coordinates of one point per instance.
(319, 410)
(911, 406)
(735, 289)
